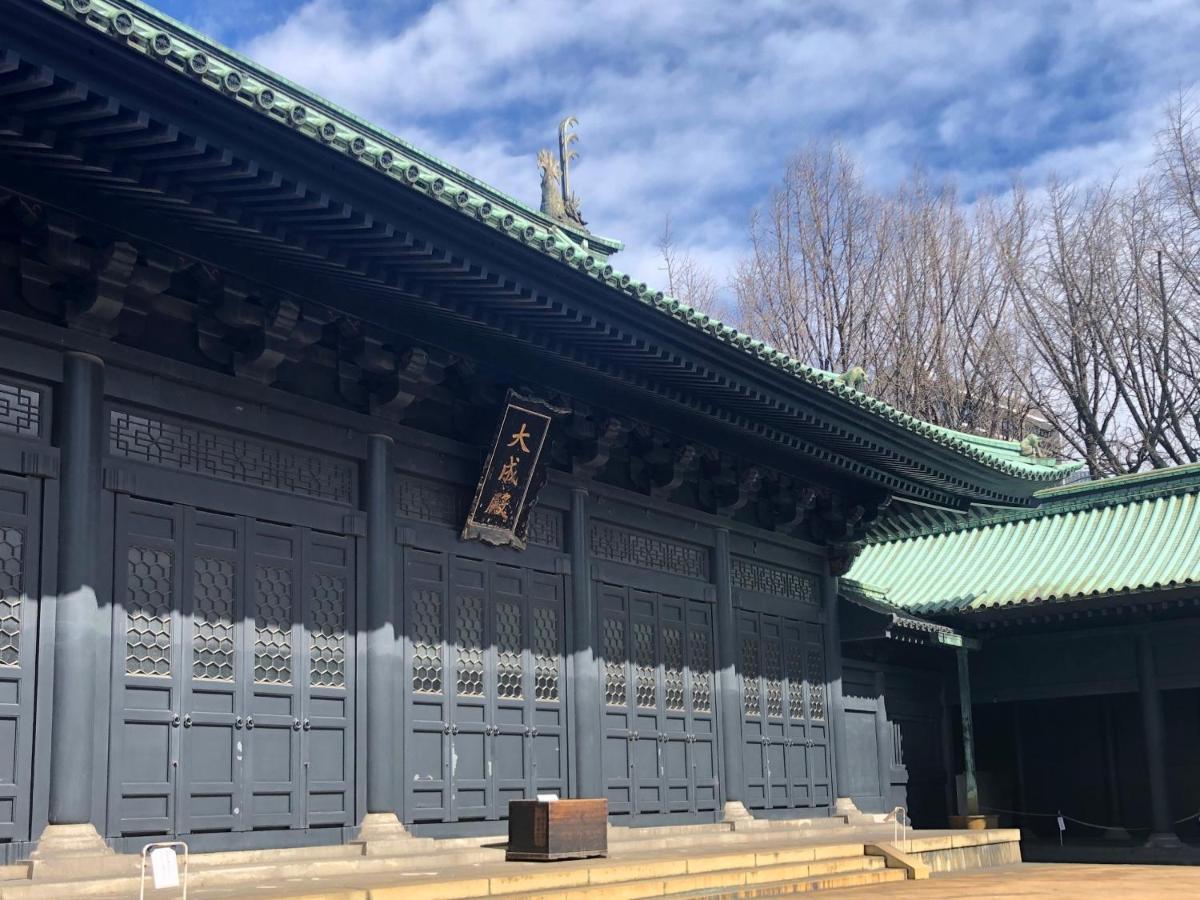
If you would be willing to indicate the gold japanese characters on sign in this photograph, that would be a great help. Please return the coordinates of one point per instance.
(512, 476)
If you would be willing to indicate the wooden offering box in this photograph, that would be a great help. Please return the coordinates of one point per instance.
(557, 829)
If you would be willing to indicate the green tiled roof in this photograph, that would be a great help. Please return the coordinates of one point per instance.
(187, 54)
(1119, 535)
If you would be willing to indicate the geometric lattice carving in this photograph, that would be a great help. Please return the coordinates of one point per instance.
(614, 662)
(643, 665)
(545, 654)
(12, 575)
(816, 685)
(764, 579)
(773, 679)
(20, 410)
(426, 630)
(672, 668)
(700, 662)
(229, 458)
(327, 633)
(651, 552)
(750, 686)
(468, 647)
(510, 674)
(148, 612)
(273, 625)
(795, 676)
(213, 592)
(428, 501)
(545, 527)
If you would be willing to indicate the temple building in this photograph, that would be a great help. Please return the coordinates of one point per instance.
(343, 496)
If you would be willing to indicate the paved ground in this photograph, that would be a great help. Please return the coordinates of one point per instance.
(1095, 882)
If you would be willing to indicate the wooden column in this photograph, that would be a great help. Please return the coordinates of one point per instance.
(589, 735)
(381, 626)
(81, 441)
(885, 741)
(968, 732)
(833, 676)
(1162, 828)
(729, 701)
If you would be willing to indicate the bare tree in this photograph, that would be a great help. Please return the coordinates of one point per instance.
(687, 280)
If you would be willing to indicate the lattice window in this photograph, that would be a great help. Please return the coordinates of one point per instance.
(700, 662)
(750, 690)
(764, 579)
(213, 593)
(20, 410)
(428, 501)
(427, 642)
(546, 527)
(12, 575)
(645, 690)
(816, 684)
(148, 612)
(794, 662)
(614, 662)
(468, 647)
(773, 679)
(634, 548)
(273, 625)
(228, 457)
(510, 674)
(673, 667)
(545, 654)
(327, 637)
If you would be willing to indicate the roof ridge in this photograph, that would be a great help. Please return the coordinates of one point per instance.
(190, 54)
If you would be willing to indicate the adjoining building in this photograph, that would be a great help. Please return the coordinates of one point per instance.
(253, 355)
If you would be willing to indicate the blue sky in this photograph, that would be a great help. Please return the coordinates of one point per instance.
(691, 109)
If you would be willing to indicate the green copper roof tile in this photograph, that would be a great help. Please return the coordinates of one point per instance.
(189, 54)
(1120, 535)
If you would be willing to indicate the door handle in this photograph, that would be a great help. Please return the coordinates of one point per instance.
(237, 723)
(445, 728)
(454, 729)
(307, 726)
(249, 723)
(187, 721)
(175, 720)
(295, 724)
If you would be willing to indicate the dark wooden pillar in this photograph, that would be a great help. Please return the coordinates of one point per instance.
(885, 741)
(1162, 828)
(81, 434)
(381, 627)
(728, 697)
(588, 733)
(833, 675)
(971, 787)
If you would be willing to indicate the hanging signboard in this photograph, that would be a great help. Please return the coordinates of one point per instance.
(513, 474)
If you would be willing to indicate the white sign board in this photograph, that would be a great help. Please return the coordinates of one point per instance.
(546, 798)
(164, 865)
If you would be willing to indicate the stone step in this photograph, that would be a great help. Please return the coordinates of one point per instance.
(800, 886)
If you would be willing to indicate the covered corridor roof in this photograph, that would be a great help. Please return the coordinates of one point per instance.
(1117, 536)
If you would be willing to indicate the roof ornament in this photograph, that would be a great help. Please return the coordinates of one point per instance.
(855, 378)
(1032, 446)
(558, 201)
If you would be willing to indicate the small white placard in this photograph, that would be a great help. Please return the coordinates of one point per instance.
(1062, 825)
(164, 865)
(547, 798)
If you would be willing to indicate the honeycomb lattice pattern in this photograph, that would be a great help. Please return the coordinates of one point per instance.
(212, 626)
(545, 654)
(427, 642)
(468, 647)
(701, 666)
(614, 662)
(673, 667)
(816, 685)
(643, 665)
(148, 620)
(327, 636)
(795, 675)
(773, 679)
(510, 673)
(750, 697)
(273, 626)
(12, 560)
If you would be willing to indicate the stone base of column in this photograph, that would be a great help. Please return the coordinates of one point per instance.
(1164, 840)
(381, 834)
(736, 814)
(974, 823)
(73, 851)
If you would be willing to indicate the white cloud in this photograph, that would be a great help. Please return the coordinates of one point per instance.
(691, 108)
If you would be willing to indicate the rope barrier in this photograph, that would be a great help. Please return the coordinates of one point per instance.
(1066, 818)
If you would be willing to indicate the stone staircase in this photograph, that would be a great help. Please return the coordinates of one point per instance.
(768, 858)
